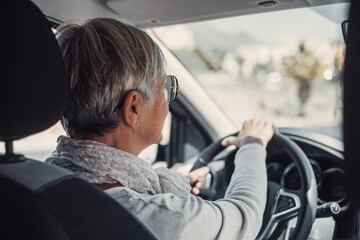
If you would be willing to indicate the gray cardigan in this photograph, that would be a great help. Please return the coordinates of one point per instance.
(237, 216)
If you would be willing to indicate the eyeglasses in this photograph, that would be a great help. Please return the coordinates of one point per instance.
(171, 90)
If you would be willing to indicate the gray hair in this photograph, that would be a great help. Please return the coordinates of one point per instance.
(105, 59)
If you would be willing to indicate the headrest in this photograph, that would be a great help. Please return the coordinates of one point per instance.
(33, 86)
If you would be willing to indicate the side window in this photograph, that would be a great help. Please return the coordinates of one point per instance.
(38, 146)
(186, 141)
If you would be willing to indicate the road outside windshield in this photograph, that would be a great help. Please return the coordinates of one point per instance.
(284, 66)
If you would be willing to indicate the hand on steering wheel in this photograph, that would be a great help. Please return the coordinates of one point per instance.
(300, 203)
(255, 129)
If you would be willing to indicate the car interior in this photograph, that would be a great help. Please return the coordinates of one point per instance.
(312, 177)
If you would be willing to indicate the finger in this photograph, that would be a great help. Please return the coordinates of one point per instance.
(201, 172)
(197, 174)
(198, 184)
(229, 141)
(195, 191)
(184, 169)
(191, 179)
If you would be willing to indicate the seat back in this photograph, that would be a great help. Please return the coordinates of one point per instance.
(41, 201)
(38, 200)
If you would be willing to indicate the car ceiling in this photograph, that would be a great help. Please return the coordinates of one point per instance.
(152, 13)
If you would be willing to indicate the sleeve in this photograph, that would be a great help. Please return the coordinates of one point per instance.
(237, 216)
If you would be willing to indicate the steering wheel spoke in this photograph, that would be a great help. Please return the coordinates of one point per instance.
(286, 206)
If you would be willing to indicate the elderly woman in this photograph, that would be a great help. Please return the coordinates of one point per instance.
(119, 96)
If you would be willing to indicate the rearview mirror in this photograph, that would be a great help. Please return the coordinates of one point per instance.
(344, 28)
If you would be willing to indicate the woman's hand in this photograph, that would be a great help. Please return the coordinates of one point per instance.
(195, 177)
(254, 130)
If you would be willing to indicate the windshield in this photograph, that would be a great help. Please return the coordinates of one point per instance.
(283, 66)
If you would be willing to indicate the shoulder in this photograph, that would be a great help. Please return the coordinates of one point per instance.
(167, 201)
(161, 212)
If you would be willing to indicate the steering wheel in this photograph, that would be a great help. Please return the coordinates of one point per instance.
(282, 204)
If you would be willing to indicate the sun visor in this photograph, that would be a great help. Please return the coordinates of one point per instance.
(152, 13)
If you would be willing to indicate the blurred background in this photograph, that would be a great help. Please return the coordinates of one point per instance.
(284, 66)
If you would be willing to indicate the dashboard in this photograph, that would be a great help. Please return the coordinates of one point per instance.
(325, 155)
(329, 178)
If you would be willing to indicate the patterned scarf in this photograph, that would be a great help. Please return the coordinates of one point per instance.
(99, 163)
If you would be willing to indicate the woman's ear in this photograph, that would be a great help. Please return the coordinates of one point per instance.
(133, 109)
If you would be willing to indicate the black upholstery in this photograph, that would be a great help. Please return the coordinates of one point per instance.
(41, 201)
(351, 103)
(349, 227)
(33, 83)
(38, 200)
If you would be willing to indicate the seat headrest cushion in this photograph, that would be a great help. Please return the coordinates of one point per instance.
(33, 85)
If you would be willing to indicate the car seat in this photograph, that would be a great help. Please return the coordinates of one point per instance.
(39, 200)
